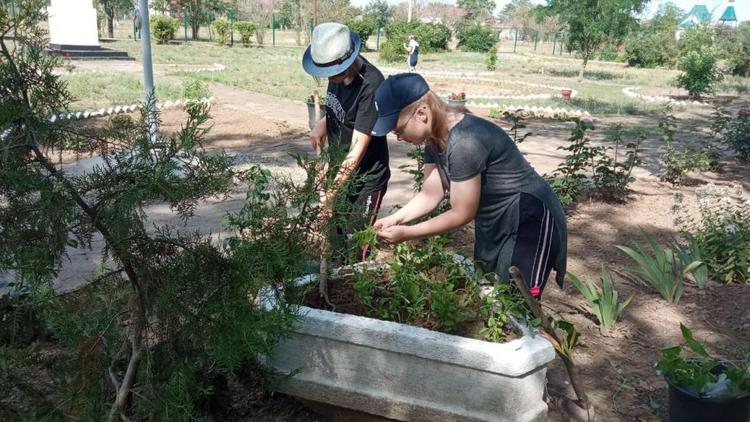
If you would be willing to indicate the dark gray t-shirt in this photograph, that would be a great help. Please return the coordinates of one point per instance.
(479, 147)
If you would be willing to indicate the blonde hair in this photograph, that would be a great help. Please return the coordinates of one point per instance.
(439, 110)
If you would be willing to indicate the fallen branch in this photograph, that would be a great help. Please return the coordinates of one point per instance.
(550, 333)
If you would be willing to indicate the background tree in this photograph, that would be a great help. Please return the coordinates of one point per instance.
(259, 12)
(519, 14)
(200, 12)
(112, 9)
(653, 43)
(379, 11)
(590, 23)
(335, 11)
(168, 314)
(477, 10)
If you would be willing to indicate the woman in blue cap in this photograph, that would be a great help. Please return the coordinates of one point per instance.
(518, 218)
(362, 173)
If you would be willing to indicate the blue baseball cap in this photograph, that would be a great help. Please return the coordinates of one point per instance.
(395, 93)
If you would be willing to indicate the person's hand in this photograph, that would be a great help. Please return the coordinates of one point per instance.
(317, 135)
(394, 234)
(385, 222)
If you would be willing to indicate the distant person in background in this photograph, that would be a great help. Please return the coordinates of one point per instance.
(413, 48)
(137, 22)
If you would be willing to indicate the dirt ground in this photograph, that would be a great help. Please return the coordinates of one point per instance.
(618, 370)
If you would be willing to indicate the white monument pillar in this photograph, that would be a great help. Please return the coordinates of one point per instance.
(72, 25)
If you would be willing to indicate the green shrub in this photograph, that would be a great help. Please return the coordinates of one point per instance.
(364, 27)
(431, 37)
(491, 60)
(677, 161)
(223, 30)
(392, 52)
(603, 300)
(651, 49)
(738, 134)
(721, 231)
(164, 28)
(695, 39)
(476, 37)
(608, 54)
(700, 71)
(246, 30)
(195, 89)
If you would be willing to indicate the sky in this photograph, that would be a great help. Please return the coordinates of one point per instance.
(742, 7)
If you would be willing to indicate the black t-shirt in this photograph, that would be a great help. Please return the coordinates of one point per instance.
(350, 107)
(479, 147)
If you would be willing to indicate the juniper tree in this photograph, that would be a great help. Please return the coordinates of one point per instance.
(169, 310)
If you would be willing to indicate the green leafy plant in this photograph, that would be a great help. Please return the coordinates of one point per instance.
(611, 176)
(223, 30)
(691, 252)
(738, 134)
(569, 180)
(432, 38)
(720, 231)
(677, 161)
(603, 300)
(164, 28)
(364, 27)
(246, 30)
(701, 374)
(416, 170)
(475, 37)
(194, 89)
(491, 61)
(661, 268)
(516, 120)
(700, 71)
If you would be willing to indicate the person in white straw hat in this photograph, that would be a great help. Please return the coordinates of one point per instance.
(359, 159)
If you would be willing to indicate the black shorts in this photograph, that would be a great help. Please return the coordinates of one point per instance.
(537, 243)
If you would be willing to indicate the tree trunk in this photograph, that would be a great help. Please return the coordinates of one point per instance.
(583, 67)
(195, 27)
(110, 26)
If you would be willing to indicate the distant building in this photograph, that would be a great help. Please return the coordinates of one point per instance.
(721, 13)
(441, 13)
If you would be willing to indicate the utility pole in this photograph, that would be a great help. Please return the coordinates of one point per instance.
(410, 10)
(315, 12)
(148, 68)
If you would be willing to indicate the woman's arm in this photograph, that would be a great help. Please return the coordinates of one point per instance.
(464, 204)
(422, 203)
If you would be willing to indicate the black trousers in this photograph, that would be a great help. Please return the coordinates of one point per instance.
(537, 243)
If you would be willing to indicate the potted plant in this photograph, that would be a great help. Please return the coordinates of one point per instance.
(566, 93)
(703, 388)
(457, 98)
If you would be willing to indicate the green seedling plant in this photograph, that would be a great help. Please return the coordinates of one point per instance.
(691, 252)
(702, 374)
(516, 119)
(603, 300)
(661, 268)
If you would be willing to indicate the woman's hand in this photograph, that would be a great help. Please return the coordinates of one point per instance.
(395, 234)
(385, 222)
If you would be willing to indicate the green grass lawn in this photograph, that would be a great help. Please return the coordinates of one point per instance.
(277, 71)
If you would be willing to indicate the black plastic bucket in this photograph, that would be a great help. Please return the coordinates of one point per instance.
(685, 406)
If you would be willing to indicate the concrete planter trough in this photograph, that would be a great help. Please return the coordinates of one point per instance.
(411, 374)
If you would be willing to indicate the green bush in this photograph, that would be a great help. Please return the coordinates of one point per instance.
(737, 48)
(700, 71)
(365, 28)
(651, 49)
(432, 37)
(223, 30)
(246, 30)
(695, 39)
(164, 28)
(608, 54)
(721, 231)
(738, 134)
(476, 37)
(491, 61)
(195, 89)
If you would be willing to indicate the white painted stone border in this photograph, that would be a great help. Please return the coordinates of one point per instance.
(217, 67)
(630, 91)
(535, 111)
(80, 115)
